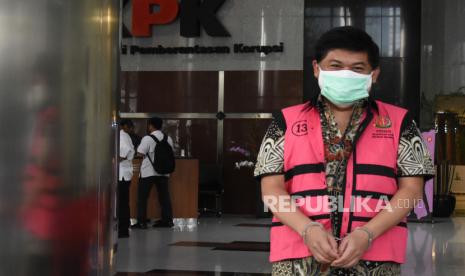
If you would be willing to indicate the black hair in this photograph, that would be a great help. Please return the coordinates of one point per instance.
(126, 122)
(156, 122)
(347, 38)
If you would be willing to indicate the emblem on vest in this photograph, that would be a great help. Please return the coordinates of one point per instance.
(383, 122)
(300, 128)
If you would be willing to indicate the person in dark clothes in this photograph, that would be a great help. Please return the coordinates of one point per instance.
(136, 139)
(126, 154)
(149, 177)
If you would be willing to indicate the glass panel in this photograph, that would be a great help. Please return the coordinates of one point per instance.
(197, 138)
(314, 28)
(387, 42)
(338, 11)
(347, 9)
(388, 11)
(373, 28)
(171, 92)
(338, 22)
(242, 140)
(373, 11)
(391, 7)
(58, 109)
(397, 37)
(318, 11)
(262, 91)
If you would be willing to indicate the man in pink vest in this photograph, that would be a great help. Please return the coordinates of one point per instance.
(341, 172)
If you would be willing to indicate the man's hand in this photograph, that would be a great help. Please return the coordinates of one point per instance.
(322, 245)
(351, 249)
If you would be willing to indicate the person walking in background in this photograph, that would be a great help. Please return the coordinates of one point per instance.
(126, 155)
(157, 151)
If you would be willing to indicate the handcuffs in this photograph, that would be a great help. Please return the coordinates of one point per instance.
(314, 223)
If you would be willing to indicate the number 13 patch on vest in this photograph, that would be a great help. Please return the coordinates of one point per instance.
(300, 128)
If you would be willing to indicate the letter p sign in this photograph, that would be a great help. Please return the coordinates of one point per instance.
(142, 11)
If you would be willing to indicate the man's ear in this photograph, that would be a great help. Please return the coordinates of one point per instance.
(316, 69)
(375, 75)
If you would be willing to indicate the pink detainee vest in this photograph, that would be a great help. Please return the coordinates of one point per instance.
(371, 178)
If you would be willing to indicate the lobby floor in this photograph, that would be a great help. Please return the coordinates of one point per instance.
(239, 246)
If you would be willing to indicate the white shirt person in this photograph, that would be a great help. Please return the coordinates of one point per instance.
(126, 154)
(147, 147)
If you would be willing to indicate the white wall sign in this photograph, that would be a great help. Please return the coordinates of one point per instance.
(264, 35)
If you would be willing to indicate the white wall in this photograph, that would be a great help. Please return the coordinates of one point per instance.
(443, 52)
(252, 22)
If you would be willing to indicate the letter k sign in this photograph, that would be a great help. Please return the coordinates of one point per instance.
(195, 13)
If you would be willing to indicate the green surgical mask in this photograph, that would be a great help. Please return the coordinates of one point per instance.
(344, 87)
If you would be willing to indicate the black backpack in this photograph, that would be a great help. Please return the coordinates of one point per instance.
(164, 162)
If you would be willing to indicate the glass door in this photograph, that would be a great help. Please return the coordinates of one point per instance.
(217, 117)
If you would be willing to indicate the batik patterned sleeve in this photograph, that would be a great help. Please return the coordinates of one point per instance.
(270, 160)
(413, 157)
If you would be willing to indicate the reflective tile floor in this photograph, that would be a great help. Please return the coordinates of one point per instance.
(239, 246)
